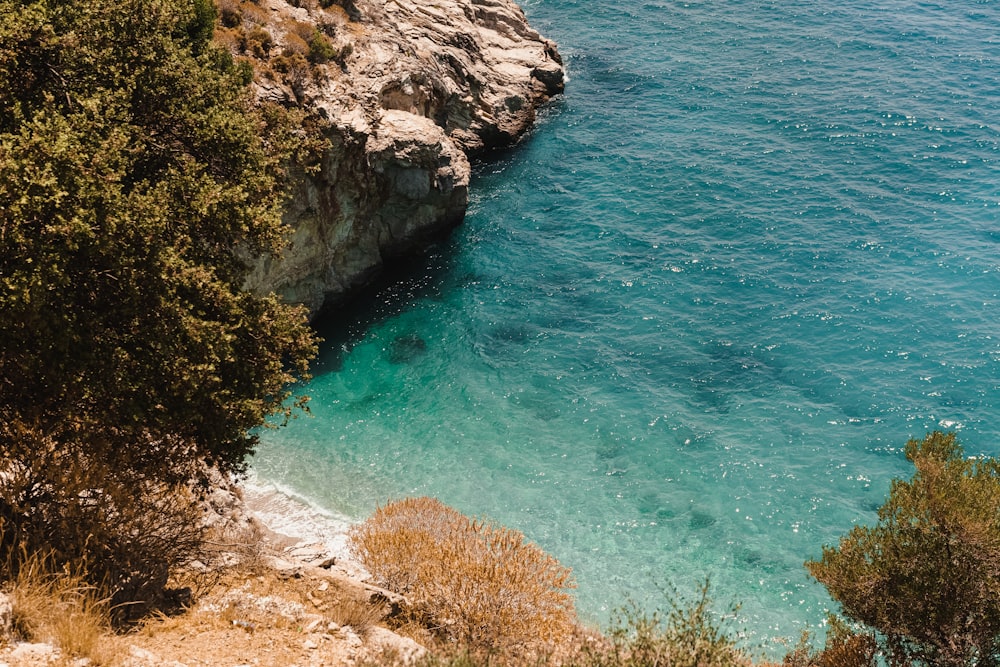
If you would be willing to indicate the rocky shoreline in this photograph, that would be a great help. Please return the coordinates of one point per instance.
(276, 600)
(410, 92)
(404, 93)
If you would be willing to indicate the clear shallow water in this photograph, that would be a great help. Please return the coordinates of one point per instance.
(689, 324)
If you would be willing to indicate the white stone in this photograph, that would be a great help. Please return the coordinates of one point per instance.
(382, 640)
(6, 616)
(34, 654)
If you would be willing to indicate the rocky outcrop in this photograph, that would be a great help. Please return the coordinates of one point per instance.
(406, 91)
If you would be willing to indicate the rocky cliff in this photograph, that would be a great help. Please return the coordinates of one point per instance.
(405, 91)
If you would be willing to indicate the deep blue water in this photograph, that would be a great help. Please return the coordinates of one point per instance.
(689, 324)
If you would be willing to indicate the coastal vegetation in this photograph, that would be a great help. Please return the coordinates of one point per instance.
(137, 174)
(470, 582)
(921, 588)
(925, 580)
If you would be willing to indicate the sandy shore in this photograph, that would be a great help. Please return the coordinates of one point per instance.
(299, 530)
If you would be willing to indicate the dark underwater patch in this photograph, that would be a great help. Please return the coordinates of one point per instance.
(406, 349)
(700, 520)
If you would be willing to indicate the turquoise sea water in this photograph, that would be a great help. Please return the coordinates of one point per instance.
(689, 324)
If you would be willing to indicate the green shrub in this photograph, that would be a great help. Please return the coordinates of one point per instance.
(926, 577)
(321, 50)
(844, 647)
(137, 174)
(686, 635)
(471, 582)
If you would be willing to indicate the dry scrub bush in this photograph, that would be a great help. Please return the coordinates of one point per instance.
(355, 612)
(62, 609)
(467, 580)
(255, 15)
(120, 532)
(257, 42)
(238, 545)
(303, 29)
(687, 636)
(230, 38)
(844, 647)
(295, 45)
(230, 12)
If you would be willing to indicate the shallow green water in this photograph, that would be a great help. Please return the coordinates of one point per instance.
(689, 324)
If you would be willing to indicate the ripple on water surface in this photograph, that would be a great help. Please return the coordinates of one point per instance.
(689, 324)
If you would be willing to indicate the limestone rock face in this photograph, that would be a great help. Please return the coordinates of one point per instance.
(406, 90)
(377, 194)
(473, 66)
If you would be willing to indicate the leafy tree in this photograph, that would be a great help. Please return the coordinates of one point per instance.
(927, 576)
(135, 174)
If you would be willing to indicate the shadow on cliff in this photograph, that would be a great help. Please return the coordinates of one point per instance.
(403, 280)
(401, 283)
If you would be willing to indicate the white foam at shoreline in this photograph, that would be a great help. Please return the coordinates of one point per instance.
(291, 515)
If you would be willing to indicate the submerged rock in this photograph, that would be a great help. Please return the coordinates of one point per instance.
(405, 92)
(701, 520)
(407, 348)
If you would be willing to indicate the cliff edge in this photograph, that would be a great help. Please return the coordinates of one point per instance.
(405, 91)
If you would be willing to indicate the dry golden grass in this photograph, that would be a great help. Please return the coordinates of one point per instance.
(254, 14)
(356, 613)
(244, 542)
(303, 29)
(63, 610)
(468, 581)
(230, 38)
(294, 44)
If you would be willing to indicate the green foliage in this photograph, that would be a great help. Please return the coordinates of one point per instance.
(201, 24)
(927, 576)
(135, 173)
(844, 647)
(686, 635)
(321, 50)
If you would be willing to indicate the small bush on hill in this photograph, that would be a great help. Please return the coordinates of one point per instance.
(123, 533)
(926, 577)
(686, 636)
(230, 12)
(844, 647)
(321, 50)
(257, 42)
(479, 585)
